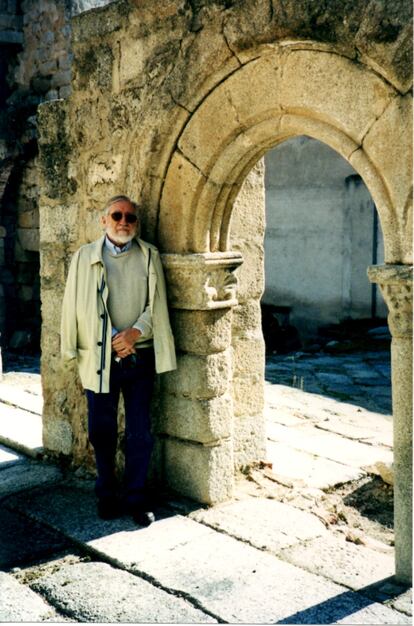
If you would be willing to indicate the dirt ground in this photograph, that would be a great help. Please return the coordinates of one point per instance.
(361, 509)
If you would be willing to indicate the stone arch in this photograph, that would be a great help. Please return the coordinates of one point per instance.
(268, 100)
(282, 93)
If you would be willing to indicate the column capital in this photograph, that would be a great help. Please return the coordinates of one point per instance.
(396, 284)
(202, 281)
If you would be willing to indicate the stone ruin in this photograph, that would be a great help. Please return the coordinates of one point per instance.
(175, 103)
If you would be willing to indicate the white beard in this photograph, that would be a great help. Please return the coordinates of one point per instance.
(123, 238)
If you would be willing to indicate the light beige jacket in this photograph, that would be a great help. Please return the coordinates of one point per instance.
(86, 327)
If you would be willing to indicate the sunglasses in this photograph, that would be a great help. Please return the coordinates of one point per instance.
(130, 218)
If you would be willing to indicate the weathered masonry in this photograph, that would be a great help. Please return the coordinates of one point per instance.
(175, 104)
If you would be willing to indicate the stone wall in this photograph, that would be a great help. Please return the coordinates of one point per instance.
(35, 66)
(37, 70)
(174, 105)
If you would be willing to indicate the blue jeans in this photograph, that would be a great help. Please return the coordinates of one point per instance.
(136, 382)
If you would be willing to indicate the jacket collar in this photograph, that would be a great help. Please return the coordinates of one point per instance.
(96, 249)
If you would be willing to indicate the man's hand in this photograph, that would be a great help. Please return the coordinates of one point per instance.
(123, 343)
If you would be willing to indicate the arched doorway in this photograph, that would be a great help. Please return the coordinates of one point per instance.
(276, 96)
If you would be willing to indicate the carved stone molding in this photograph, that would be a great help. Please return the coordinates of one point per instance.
(396, 284)
(202, 281)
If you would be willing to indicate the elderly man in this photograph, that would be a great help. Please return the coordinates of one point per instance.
(115, 324)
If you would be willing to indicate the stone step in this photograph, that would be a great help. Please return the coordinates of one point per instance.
(21, 430)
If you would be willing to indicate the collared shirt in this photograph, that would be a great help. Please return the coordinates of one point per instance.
(112, 247)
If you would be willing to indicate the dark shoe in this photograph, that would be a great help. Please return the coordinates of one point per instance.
(109, 508)
(142, 517)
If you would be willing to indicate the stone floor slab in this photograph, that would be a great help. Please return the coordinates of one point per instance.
(241, 584)
(97, 592)
(23, 541)
(354, 566)
(307, 470)
(404, 602)
(380, 434)
(21, 604)
(19, 428)
(228, 578)
(263, 523)
(9, 457)
(30, 400)
(25, 475)
(328, 445)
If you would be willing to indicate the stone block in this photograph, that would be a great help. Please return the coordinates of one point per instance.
(29, 219)
(204, 134)
(58, 436)
(59, 223)
(249, 439)
(250, 274)
(200, 377)
(52, 94)
(203, 473)
(248, 357)
(65, 92)
(17, 550)
(52, 267)
(262, 523)
(26, 476)
(248, 395)
(247, 320)
(355, 566)
(328, 445)
(387, 145)
(97, 592)
(353, 110)
(51, 310)
(308, 470)
(201, 332)
(29, 238)
(61, 78)
(21, 604)
(205, 421)
(48, 67)
(248, 215)
(177, 199)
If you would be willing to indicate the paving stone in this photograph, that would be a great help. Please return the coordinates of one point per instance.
(282, 416)
(380, 433)
(265, 524)
(97, 592)
(19, 397)
(354, 566)
(404, 602)
(328, 445)
(9, 457)
(26, 475)
(238, 583)
(332, 378)
(23, 540)
(21, 604)
(20, 427)
(308, 470)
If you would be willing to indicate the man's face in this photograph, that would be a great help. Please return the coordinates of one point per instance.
(120, 231)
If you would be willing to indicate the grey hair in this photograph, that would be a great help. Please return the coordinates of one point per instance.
(114, 199)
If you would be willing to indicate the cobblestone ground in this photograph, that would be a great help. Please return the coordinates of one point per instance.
(360, 378)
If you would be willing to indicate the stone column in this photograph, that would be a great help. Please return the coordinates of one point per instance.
(395, 282)
(195, 415)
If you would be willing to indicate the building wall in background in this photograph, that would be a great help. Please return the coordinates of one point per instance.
(319, 236)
